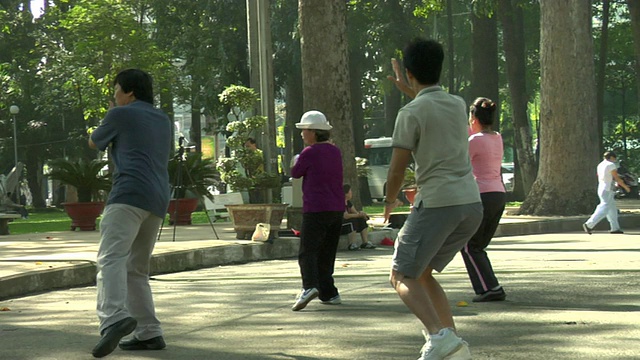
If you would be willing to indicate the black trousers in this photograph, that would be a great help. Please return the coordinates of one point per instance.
(319, 238)
(475, 257)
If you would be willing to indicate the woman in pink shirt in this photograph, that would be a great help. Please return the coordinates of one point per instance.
(485, 150)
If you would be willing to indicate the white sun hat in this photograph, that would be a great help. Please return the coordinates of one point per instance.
(314, 120)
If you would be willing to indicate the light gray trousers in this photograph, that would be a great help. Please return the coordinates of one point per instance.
(128, 235)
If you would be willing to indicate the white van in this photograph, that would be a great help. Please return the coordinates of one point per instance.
(378, 153)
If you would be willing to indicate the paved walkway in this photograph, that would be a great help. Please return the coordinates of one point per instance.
(33, 263)
(569, 296)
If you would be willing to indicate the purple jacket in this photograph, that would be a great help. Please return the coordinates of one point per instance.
(321, 166)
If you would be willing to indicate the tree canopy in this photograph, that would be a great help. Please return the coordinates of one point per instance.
(58, 66)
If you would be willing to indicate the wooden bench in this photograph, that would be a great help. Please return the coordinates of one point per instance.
(217, 209)
(5, 219)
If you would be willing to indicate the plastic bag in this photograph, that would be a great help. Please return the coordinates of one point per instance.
(261, 233)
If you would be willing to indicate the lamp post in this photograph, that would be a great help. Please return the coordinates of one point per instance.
(14, 110)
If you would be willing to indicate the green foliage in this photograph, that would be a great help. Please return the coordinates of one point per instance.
(83, 175)
(362, 167)
(196, 175)
(409, 178)
(239, 96)
(244, 170)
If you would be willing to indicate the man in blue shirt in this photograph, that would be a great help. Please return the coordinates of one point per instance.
(139, 137)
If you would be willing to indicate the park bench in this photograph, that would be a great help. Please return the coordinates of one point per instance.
(5, 219)
(217, 209)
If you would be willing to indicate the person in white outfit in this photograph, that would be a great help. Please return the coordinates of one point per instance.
(607, 173)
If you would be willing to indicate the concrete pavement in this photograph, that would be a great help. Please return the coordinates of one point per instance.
(32, 263)
(569, 296)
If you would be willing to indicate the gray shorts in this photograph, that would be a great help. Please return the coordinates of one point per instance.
(431, 237)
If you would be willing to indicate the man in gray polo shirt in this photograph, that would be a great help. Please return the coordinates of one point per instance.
(139, 137)
(447, 208)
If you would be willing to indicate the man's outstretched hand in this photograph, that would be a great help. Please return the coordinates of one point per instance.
(399, 80)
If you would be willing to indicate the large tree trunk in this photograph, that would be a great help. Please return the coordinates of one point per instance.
(325, 74)
(602, 64)
(484, 62)
(634, 12)
(569, 153)
(293, 141)
(511, 18)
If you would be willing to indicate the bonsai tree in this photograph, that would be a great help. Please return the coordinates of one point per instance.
(196, 174)
(244, 170)
(83, 175)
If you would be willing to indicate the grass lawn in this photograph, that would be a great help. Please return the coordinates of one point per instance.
(53, 219)
(40, 221)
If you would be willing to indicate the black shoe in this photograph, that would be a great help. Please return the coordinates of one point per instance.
(112, 335)
(367, 245)
(586, 229)
(616, 232)
(156, 343)
(491, 295)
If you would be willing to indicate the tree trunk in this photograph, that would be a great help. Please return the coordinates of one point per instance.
(451, 48)
(511, 18)
(484, 62)
(293, 141)
(602, 65)
(398, 35)
(392, 103)
(357, 73)
(34, 181)
(634, 13)
(166, 105)
(569, 153)
(325, 74)
(195, 132)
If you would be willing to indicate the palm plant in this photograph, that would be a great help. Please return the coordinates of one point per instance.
(196, 174)
(83, 175)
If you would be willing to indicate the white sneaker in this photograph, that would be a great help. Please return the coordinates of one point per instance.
(446, 345)
(336, 300)
(304, 297)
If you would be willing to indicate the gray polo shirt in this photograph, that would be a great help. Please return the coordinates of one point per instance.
(434, 127)
(141, 141)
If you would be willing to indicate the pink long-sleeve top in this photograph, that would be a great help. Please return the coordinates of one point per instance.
(485, 150)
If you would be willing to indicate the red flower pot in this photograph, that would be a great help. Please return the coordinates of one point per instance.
(410, 194)
(181, 210)
(83, 214)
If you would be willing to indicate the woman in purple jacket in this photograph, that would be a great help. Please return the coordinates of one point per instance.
(320, 166)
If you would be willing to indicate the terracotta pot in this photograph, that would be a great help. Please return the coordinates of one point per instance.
(410, 194)
(83, 214)
(181, 209)
(246, 216)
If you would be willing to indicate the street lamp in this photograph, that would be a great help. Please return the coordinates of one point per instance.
(14, 110)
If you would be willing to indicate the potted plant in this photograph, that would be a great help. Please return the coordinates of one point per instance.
(244, 171)
(409, 187)
(190, 176)
(90, 184)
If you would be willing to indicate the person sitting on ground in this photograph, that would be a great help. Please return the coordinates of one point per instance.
(353, 222)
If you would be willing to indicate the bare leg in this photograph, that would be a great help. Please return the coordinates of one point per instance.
(365, 236)
(438, 298)
(352, 237)
(415, 294)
